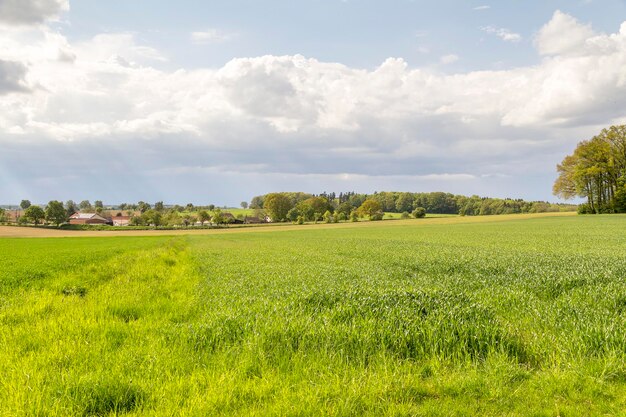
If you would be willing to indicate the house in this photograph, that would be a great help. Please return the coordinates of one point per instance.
(87, 218)
(12, 216)
(119, 220)
(229, 218)
(253, 220)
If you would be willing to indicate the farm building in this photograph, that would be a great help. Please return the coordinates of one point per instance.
(12, 216)
(87, 218)
(255, 220)
(119, 220)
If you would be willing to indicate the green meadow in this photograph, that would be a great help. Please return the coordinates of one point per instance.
(504, 317)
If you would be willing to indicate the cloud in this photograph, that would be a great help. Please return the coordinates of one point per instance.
(209, 36)
(122, 47)
(28, 12)
(483, 7)
(449, 59)
(565, 35)
(504, 34)
(12, 77)
(290, 121)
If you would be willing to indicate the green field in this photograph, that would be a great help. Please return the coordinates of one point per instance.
(515, 317)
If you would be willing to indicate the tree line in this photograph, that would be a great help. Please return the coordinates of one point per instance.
(596, 171)
(299, 206)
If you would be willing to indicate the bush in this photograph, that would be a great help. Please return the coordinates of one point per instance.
(376, 216)
(419, 213)
(405, 215)
(585, 209)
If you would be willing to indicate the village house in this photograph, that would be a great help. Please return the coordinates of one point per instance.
(120, 220)
(88, 218)
(12, 216)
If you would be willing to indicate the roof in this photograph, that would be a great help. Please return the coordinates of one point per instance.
(87, 216)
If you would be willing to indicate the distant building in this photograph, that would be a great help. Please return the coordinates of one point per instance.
(13, 216)
(87, 218)
(120, 220)
(229, 218)
(254, 220)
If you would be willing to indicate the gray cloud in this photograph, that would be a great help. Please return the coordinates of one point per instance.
(12, 76)
(27, 12)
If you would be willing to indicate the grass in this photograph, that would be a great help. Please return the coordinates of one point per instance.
(516, 316)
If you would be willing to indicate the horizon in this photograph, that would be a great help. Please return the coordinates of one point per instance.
(115, 206)
(204, 101)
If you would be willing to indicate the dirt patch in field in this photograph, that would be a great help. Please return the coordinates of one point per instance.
(14, 231)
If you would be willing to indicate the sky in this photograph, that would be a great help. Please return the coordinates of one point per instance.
(213, 102)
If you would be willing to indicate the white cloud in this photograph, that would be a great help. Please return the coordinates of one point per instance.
(100, 105)
(483, 7)
(209, 36)
(565, 35)
(28, 12)
(504, 34)
(449, 59)
(120, 47)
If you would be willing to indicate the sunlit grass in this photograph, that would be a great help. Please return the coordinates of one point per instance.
(519, 316)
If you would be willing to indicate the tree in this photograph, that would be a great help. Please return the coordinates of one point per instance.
(56, 213)
(293, 214)
(3, 215)
(404, 202)
(34, 214)
(344, 208)
(405, 215)
(152, 217)
(218, 217)
(70, 207)
(85, 205)
(354, 216)
(419, 212)
(244, 205)
(211, 207)
(594, 170)
(328, 217)
(142, 206)
(312, 205)
(203, 216)
(277, 205)
(371, 208)
(257, 202)
(158, 206)
(98, 204)
(25, 204)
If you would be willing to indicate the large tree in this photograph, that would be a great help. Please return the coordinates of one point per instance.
(277, 205)
(34, 214)
(595, 171)
(70, 207)
(56, 213)
(85, 205)
(25, 204)
(371, 208)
